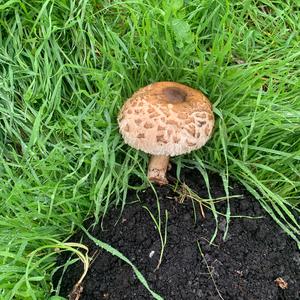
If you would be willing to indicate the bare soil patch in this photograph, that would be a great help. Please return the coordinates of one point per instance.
(256, 260)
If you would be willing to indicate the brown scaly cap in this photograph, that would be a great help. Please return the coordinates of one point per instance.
(166, 118)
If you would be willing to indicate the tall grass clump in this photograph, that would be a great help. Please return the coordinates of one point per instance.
(66, 68)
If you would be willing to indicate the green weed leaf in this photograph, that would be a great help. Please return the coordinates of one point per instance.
(182, 32)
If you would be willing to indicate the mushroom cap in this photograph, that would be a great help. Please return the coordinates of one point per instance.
(166, 118)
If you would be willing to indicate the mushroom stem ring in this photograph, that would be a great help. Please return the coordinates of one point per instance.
(157, 169)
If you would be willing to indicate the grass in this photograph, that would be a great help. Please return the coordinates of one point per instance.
(115, 252)
(162, 232)
(210, 271)
(67, 66)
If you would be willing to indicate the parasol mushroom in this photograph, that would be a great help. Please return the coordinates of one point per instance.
(166, 119)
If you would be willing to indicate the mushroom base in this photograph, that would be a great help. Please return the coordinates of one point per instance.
(157, 169)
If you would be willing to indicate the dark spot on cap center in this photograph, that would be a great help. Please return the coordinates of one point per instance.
(174, 94)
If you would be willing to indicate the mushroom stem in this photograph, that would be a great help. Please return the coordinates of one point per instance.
(157, 169)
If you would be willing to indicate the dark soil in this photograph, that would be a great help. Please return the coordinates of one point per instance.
(245, 265)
